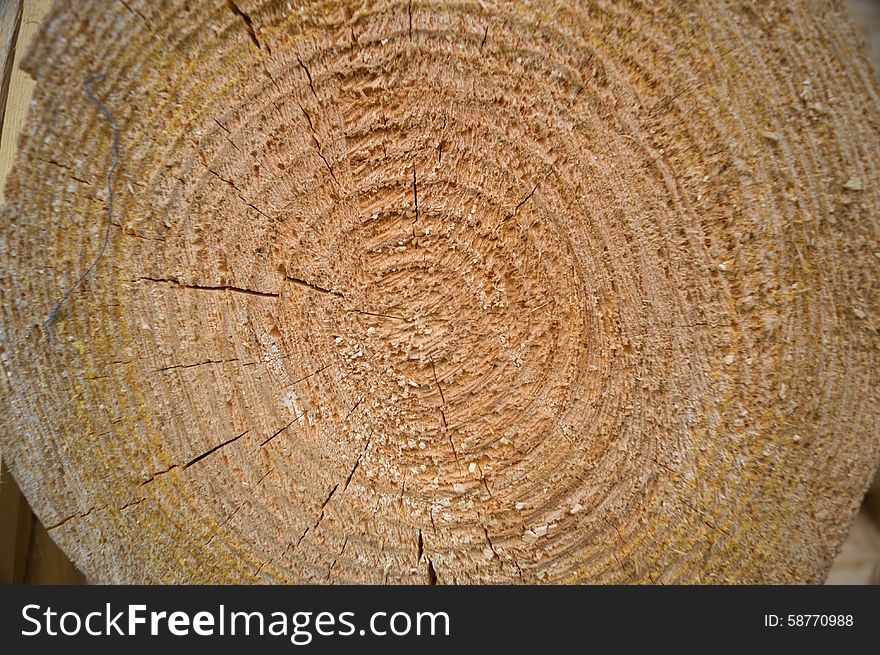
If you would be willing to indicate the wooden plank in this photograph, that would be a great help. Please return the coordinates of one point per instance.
(21, 85)
(27, 553)
(859, 560)
(10, 19)
(12, 542)
(46, 563)
(16, 518)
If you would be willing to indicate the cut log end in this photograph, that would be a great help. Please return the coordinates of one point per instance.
(459, 293)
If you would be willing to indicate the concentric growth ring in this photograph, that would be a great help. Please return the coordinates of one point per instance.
(447, 292)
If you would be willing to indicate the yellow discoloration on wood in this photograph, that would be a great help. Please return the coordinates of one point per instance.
(367, 287)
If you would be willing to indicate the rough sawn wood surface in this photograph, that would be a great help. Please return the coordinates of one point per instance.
(453, 292)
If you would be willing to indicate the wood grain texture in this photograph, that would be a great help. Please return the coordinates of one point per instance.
(447, 292)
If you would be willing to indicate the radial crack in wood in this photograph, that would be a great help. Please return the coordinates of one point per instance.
(502, 292)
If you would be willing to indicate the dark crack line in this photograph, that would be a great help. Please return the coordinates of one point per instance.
(138, 14)
(354, 407)
(248, 24)
(260, 567)
(437, 382)
(443, 405)
(254, 207)
(357, 463)
(489, 541)
(263, 477)
(57, 525)
(214, 450)
(524, 200)
(277, 88)
(314, 287)
(225, 521)
(319, 519)
(333, 563)
(83, 515)
(66, 169)
(205, 287)
(519, 205)
(309, 76)
(327, 502)
(306, 377)
(195, 460)
(298, 541)
(354, 39)
(452, 445)
(221, 125)
(518, 567)
(317, 142)
(324, 504)
(239, 192)
(208, 361)
(225, 180)
(227, 134)
(295, 419)
(432, 573)
(279, 431)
